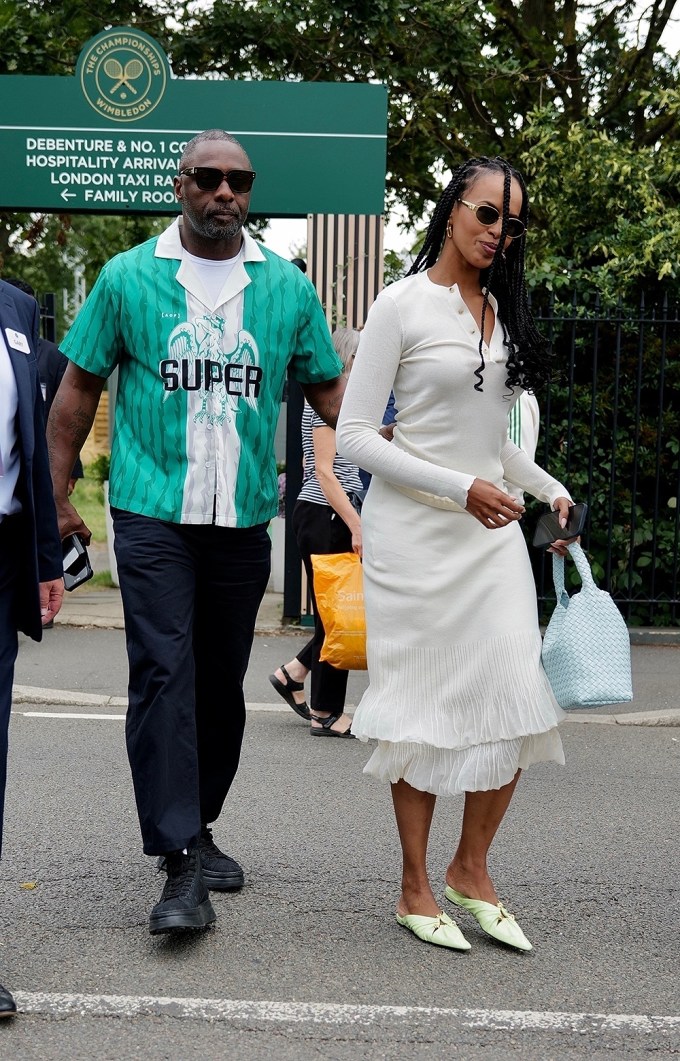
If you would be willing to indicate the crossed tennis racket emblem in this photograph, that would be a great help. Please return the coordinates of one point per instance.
(123, 75)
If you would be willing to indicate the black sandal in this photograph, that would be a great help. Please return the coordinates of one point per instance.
(287, 690)
(326, 723)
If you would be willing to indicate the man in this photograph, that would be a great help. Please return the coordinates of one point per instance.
(203, 324)
(51, 367)
(31, 586)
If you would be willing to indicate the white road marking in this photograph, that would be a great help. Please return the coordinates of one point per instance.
(24, 694)
(335, 1013)
(85, 715)
(67, 714)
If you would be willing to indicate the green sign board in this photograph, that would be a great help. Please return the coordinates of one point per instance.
(109, 139)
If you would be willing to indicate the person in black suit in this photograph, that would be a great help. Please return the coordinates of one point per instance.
(51, 366)
(31, 583)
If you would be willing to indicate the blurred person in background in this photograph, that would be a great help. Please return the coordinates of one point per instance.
(326, 519)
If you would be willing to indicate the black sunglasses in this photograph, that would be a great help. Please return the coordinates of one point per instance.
(209, 179)
(488, 215)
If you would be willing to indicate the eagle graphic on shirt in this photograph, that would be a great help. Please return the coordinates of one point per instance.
(197, 361)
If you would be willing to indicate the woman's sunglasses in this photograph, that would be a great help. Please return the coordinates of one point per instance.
(488, 215)
(209, 179)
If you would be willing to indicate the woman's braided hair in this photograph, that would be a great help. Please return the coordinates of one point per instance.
(528, 363)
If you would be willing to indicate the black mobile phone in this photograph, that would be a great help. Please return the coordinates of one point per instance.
(77, 567)
(548, 528)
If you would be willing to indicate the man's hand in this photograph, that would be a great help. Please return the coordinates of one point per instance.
(70, 522)
(491, 506)
(51, 597)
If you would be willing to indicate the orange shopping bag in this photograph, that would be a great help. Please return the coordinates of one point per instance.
(339, 592)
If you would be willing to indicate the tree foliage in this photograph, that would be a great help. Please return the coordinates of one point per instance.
(606, 212)
(578, 93)
(46, 37)
(462, 74)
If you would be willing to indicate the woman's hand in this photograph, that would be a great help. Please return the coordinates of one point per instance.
(559, 547)
(323, 441)
(491, 506)
(357, 542)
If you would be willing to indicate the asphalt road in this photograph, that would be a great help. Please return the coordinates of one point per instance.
(307, 960)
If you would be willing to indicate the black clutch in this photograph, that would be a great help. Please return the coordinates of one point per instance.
(548, 528)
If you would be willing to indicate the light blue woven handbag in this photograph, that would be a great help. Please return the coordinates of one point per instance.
(586, 647)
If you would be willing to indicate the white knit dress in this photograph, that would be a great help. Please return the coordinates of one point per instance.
(457, 697)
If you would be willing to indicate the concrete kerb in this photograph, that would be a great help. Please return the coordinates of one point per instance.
(29, 694)
(671, 717)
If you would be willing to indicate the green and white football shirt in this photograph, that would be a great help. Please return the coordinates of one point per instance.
(200, 384)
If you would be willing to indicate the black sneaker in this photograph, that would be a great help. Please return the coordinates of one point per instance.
(7, 1004)
(220, 872)
(184, 901)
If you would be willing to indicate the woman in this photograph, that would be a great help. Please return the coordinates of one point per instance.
(458, 701)
(325, 520)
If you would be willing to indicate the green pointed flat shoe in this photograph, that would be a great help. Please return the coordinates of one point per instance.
(495, 920)
(440, 930)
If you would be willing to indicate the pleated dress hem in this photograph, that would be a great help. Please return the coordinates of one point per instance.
(454, 771)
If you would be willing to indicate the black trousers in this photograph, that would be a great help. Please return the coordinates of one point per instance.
(9, 641)
(319, 529)
(190, 600)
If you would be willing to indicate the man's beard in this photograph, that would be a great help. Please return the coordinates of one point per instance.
(211, 226)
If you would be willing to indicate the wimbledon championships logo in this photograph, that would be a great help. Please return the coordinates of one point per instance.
(123, 74)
